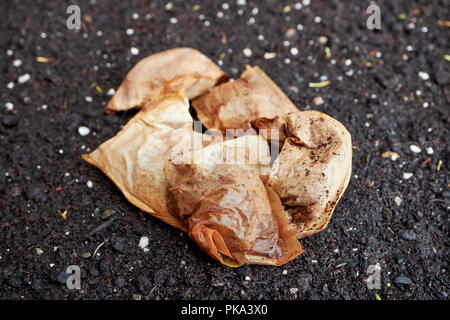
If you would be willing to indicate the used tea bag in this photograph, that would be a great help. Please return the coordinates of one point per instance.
(235, 104)
(231, 214)
(134, 159)
(313, 169)
(164, 72)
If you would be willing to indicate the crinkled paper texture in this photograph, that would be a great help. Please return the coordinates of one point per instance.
(165, 72)
(313, 169)
(134, 159)
(235, 104)
(231, 214)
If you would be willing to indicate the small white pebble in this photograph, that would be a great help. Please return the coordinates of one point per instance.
(287, 61)
(143, 242)
(293, 290)
(354, 249)
(9, 52)
(83, 131)
(17, 63)
(134, 51)
(10, 85)
(9, 106)
(129, 32)
(285, 272)
(407, 175)
(269, 55)
(418, 93)
(317, 19)
(414, 148)
(378, 54)
(52, 265)
(207, 23)
(173, 20)
(135, 16)
(89, 184)
(409, 48)
(348, 62)
(260, 37)
(313, 261)
(88, 99)
(251, 21)
(298, 6)
(44, 107)
(300, 27)
(43, 35)
(99, 33)
(294, 51)
(425, 105)
(423, 75)
(430, 151)
(61, 151)
(398, 200)
(24, 78)
(255, 11)
(247, 278)
(306, 2)
(225, 6)
(424, 29)
(247, 52)
(111, 92)
(241, 2)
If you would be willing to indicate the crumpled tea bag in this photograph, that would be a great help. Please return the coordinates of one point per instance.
(313, 169)
(134, 158)
(231, 214)
(165, 72)
(236, 103)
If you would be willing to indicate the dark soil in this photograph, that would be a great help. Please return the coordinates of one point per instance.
(378, 101)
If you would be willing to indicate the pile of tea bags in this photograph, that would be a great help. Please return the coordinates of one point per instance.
(239, 197)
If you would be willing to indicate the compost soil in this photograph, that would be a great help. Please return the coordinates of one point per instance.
(389, 87)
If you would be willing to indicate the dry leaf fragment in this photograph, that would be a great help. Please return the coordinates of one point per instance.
(235, 104)
(134, 159)
(164, 72)
(44, 59)
(313, 169)
(231, 215)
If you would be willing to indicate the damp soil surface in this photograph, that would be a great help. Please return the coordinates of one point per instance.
(390, 88)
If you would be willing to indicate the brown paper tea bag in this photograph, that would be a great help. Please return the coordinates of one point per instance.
(231, 215)
(313, 169)
(165, 72)
(235, 104)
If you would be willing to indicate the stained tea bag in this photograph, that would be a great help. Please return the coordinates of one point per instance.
(164, 72)
(235, 104)
(313, 169)
(134, 158)
(231, 214)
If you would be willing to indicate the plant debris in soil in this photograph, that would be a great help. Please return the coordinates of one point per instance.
(389, 87)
